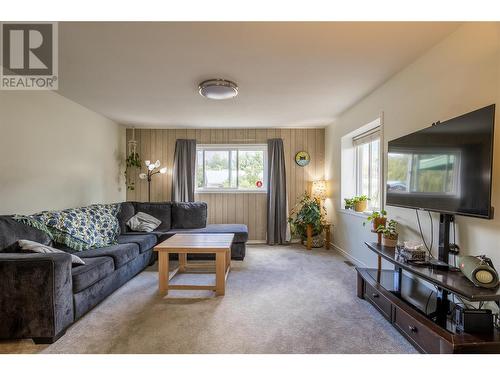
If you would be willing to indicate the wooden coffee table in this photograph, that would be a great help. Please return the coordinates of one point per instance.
(184, 244)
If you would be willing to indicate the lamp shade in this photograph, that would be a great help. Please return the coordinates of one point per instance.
(318, 189)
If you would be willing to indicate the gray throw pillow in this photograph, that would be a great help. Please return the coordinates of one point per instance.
(142, 222)
(44, 249)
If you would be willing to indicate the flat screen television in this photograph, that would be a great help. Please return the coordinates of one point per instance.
(445, 168)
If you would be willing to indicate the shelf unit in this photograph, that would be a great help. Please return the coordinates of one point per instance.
(429, 333)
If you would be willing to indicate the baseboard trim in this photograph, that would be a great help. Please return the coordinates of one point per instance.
(345, 254)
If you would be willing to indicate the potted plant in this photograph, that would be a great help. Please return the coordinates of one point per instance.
(360, 203)
(348, 205)
(308, 216)
(132, 161)
(377, 218)
(389, 233)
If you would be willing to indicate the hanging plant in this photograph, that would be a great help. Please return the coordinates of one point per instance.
(133, 161)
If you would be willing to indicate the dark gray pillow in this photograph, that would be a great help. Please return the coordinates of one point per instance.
(160, 210)
(11, 231)
(189, 215)
(127, 210)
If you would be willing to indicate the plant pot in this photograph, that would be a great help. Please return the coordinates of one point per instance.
(361, 206)
(312, 240)
(389, 242)
(379, 221)
(318, 241)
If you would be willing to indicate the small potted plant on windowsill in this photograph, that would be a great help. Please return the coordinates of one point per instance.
(389, 233)
(348, 205)
(377, 218)
(360, 203)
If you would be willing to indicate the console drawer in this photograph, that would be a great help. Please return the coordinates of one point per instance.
(378, 300)
(418, 334)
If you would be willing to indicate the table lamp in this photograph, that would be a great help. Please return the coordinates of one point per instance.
(318, 189)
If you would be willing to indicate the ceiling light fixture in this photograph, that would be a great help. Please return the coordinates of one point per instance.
(218, 89)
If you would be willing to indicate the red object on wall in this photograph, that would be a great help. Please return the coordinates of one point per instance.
(259, 184)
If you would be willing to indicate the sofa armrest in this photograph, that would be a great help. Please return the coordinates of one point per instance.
(36, 296)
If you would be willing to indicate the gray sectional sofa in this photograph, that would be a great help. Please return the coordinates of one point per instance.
(41, 295)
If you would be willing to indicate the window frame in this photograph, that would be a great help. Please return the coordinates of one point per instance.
(232, 148)
(358, 167)
(348, 171)
(359, 170)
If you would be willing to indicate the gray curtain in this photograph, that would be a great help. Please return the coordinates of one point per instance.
(183, 174)
(277, 210)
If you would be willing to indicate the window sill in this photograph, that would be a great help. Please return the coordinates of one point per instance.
(363, 215)
(215, 191)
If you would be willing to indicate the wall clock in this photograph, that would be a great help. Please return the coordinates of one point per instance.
(302, 158)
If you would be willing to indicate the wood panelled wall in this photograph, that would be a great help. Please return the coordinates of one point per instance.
(242, 208)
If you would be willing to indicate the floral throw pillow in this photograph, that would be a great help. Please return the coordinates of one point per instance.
(79, 228)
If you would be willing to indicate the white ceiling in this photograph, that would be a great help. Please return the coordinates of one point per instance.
(289, 74)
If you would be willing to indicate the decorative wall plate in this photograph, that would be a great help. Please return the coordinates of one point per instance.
(302, 158)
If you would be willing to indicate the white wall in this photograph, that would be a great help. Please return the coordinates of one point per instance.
(460, 74)
(56, 154)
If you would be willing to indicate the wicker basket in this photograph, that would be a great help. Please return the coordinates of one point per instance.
(318, 241)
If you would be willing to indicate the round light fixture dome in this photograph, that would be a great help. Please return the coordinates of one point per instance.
(218, 89)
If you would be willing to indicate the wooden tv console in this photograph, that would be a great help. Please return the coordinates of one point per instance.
(428, 333)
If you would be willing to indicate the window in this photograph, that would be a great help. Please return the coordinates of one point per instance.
(361, 164)
(231, 168)
(367, 166)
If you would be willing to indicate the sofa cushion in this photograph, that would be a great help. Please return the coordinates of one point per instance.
(189, 215)
(80, 228)
(127, 210)
(121, 253)
(11, 231)
(95, 269)
(143, 222)
(160, 210)
(240, 230)
(160, 235)
(145, 241)
(35, 247)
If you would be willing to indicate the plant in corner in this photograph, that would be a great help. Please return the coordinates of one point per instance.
(377, 218)
(389, 233)
(360, 203)
(308, 213)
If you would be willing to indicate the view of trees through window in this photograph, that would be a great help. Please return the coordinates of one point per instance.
(230, 168)
(426, 173)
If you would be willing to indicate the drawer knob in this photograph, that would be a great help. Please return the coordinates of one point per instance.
(375, 295)
(412, 329)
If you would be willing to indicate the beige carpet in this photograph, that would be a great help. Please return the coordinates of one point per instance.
(280, 299)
